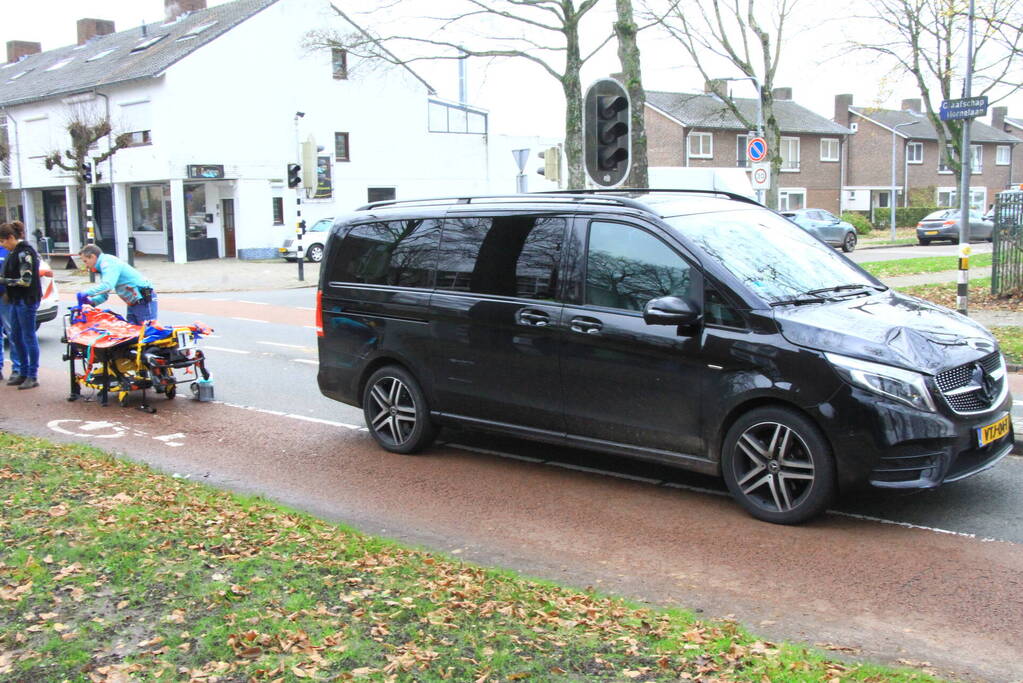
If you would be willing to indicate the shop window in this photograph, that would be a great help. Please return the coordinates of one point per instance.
(147, 208)
(195, 211)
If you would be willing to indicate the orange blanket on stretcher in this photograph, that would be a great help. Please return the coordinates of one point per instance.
(101, 329)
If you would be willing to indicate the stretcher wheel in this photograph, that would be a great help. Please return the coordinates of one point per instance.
(171, 391)
(122, 398)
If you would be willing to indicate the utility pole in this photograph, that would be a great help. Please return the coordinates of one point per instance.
(299, 223)
(90, 230)
(966, 161)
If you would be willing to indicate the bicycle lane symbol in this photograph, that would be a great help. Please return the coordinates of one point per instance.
(103, 429)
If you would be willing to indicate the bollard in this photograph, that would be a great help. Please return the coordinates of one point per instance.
(131, 251)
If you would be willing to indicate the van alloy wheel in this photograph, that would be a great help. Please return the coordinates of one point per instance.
(396, 412)
(778, 465)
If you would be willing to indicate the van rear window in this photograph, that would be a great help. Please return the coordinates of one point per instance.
(400, 253)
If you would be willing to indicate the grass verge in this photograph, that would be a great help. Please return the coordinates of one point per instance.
(884, 236)
(112, 572)
(924, 264)
(944, 293)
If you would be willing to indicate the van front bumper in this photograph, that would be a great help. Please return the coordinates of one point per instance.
(894, 446)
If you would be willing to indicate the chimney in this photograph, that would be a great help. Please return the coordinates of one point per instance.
(714, 86)
(998, 115)
(842, 104)
(16, 49)
(91, 28)
(175, 8)
(782, 93)
(913, 105)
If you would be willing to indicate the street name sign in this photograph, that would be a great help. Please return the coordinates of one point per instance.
(965, 108)
(756, 149)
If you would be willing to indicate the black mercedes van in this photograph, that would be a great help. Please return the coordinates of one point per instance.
(691, 328)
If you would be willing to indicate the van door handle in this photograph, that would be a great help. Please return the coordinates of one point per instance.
(534, 318)
(586, 325)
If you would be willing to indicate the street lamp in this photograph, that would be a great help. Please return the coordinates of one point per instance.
(760, 114)
(894, 187)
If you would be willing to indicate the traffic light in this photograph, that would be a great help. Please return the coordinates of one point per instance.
(606, 132)
(551, 168)
(294, 176)
(87, 172)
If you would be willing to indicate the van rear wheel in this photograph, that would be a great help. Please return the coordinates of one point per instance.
(396, 412)
(778, 466)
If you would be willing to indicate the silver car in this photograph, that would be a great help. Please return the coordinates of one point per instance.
(825, 226)
(313, 242)
(944, 225)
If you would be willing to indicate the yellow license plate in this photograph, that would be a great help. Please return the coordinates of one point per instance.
(993, 431)
(931, 232)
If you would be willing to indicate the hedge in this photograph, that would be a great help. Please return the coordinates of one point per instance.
(858, 221)
(905, 217)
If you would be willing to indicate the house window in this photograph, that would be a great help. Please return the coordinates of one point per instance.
(947, 196)
(790, 200)
(976, 159)
(978, 198)
(854, 126)
(790, 154)
(341, 151)
(278, 208)
(450, 118)
(741, 142)
(943, 166)
(140, 138)
(915, 153)
(339, 63)
(1003, 155)
(701, 146)
(829, 149)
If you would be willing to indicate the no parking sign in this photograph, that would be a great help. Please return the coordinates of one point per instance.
(756, 149)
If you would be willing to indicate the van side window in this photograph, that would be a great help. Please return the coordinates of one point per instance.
(514, 256)
(400, 253)
(626, 267)
(717, 310)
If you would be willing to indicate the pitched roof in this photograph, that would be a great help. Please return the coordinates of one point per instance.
(1016, 123)
(709, 111)
(119, 57)
(920, 128)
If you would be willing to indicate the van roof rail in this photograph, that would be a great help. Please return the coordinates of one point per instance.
(602, 196)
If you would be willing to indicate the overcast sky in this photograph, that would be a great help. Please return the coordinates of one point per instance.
(524, 100)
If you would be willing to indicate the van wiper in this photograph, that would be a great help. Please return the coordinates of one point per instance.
(801, 300)
(841, 288)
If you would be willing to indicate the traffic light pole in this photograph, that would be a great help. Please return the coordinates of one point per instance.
(299, 229)
(966, 163)
(90, 232)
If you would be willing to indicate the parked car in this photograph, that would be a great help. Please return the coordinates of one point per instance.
(312, 242)
(825, 226)
(695, 329)
(944, 225)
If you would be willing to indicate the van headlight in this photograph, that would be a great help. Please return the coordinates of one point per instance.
(897, 384)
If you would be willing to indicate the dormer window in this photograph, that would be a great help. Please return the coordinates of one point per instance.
(148, 42)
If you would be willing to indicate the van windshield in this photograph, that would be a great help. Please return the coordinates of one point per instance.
(771, 256)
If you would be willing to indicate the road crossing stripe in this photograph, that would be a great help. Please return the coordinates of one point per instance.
(287, 346)
(310, 361)
(221, 348)
(257, 303)
(250, 320)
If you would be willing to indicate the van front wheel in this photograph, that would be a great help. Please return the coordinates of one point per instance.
(778, 465)
(396, 412)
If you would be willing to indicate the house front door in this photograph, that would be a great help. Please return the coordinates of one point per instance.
(227, 211)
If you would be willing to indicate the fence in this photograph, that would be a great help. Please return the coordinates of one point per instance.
(1007, 261)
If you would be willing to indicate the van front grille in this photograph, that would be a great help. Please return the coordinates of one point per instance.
(973, 387)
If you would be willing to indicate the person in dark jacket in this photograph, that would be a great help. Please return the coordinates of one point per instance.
(23, 292)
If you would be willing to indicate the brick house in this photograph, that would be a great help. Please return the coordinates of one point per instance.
(698, 130)
(1000, 121)
(918, 165)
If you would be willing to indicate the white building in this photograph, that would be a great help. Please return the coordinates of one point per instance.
(217, 101)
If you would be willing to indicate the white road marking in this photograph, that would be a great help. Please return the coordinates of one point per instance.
(171, 439)
(305, 308)
(310, 361)
(88, 428)
(257, 303)
(287, 346)
(311, 327)
(221, 348)
(250, 320)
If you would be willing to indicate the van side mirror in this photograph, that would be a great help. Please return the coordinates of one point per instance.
(670, 310)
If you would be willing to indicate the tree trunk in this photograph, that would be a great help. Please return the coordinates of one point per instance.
(572, 87)
(628, 54)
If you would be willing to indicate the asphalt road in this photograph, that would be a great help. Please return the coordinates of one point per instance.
(927, 577)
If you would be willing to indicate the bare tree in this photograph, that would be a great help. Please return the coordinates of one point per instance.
(729, 33)
(926, 40)
(544, 32)
(86, 130)
(628, 55)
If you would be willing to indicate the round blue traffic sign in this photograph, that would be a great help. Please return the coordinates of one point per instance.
(756, 149)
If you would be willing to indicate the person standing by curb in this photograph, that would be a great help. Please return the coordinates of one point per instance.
(117, 276)
(23, 293)
(5, 325)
